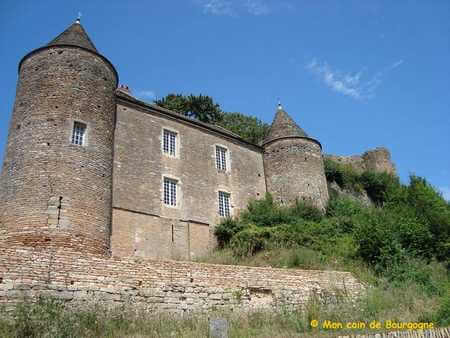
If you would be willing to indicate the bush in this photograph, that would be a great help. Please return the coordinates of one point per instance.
(305, 210)
(387, 237)
(265, 213)
(433, 211)
(378, 185)
(226, 230)
(249, 241)
(344, 175)
(443, 314)
(344, 210)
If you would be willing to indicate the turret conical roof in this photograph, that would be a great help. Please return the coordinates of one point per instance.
(283, 126)
(75, 35)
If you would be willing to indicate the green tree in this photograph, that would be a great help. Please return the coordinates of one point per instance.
(434, 211)
(201, 107)
(249, 128)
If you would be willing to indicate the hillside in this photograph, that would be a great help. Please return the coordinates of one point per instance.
(397, 243)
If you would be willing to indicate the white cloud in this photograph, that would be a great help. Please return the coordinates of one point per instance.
(257, 7)
(217, 7)
(445, 192)
(234, 7)
(353, 84)
(395, 64)
(148, 94)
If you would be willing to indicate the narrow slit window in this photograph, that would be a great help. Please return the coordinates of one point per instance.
(170, 192)
(221, 158)
(79, 133)
(169, 142)
(224, 204)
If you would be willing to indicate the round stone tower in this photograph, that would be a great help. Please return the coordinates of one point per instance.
(293, 163)
(56, 182)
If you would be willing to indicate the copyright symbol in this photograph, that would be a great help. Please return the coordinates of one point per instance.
(314, 323)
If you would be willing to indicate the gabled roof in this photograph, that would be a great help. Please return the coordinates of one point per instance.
(75, 35)
(283, 126)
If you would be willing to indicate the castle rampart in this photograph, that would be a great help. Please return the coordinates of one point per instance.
(163, 285)
(378, 160)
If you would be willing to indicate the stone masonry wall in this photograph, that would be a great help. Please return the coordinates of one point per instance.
(162, 285)
(51, 188)
(142, 224)
(378, 159)
(294, 169)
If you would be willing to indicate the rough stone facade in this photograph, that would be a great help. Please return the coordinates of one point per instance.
(107, 196)
(50, 187)
(156, 285)
(378, 160)
(142, 224)
(294, 170)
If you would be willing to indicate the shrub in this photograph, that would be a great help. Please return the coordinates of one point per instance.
(226, 230)
(344, 210)
(443, 314)
(343, 174)
(431, 208)
(378, 185)
(333, 172)
(305, 210)
(249, 241)
(265, 212)
(377, 240)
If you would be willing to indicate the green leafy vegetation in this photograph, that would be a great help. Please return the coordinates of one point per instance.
(249, 128)
(199, 107)
(203, 108)
(400, 242)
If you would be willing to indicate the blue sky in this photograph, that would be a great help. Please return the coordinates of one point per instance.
(354, 74)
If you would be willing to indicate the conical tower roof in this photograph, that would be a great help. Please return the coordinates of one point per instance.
(75, 35)
(283, 126)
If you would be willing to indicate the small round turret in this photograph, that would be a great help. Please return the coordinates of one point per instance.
(293, 163)
(56, 180)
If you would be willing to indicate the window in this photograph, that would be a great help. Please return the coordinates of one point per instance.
(221, 158)
(224, 204)
(79, 133)
(170, 192)
(169, 142)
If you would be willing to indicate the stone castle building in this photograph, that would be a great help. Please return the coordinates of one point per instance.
(91, 168)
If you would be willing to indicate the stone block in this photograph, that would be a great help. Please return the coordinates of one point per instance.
(218, 328)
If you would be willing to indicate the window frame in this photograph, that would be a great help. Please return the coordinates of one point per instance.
(221, 158)
(84, 136)
(171, 194)
(176, 142)
(224, 200)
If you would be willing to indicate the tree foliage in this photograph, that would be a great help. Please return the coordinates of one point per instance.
(249, 128)
(203, 108)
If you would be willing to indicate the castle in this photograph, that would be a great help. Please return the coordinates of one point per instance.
(90, 168)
